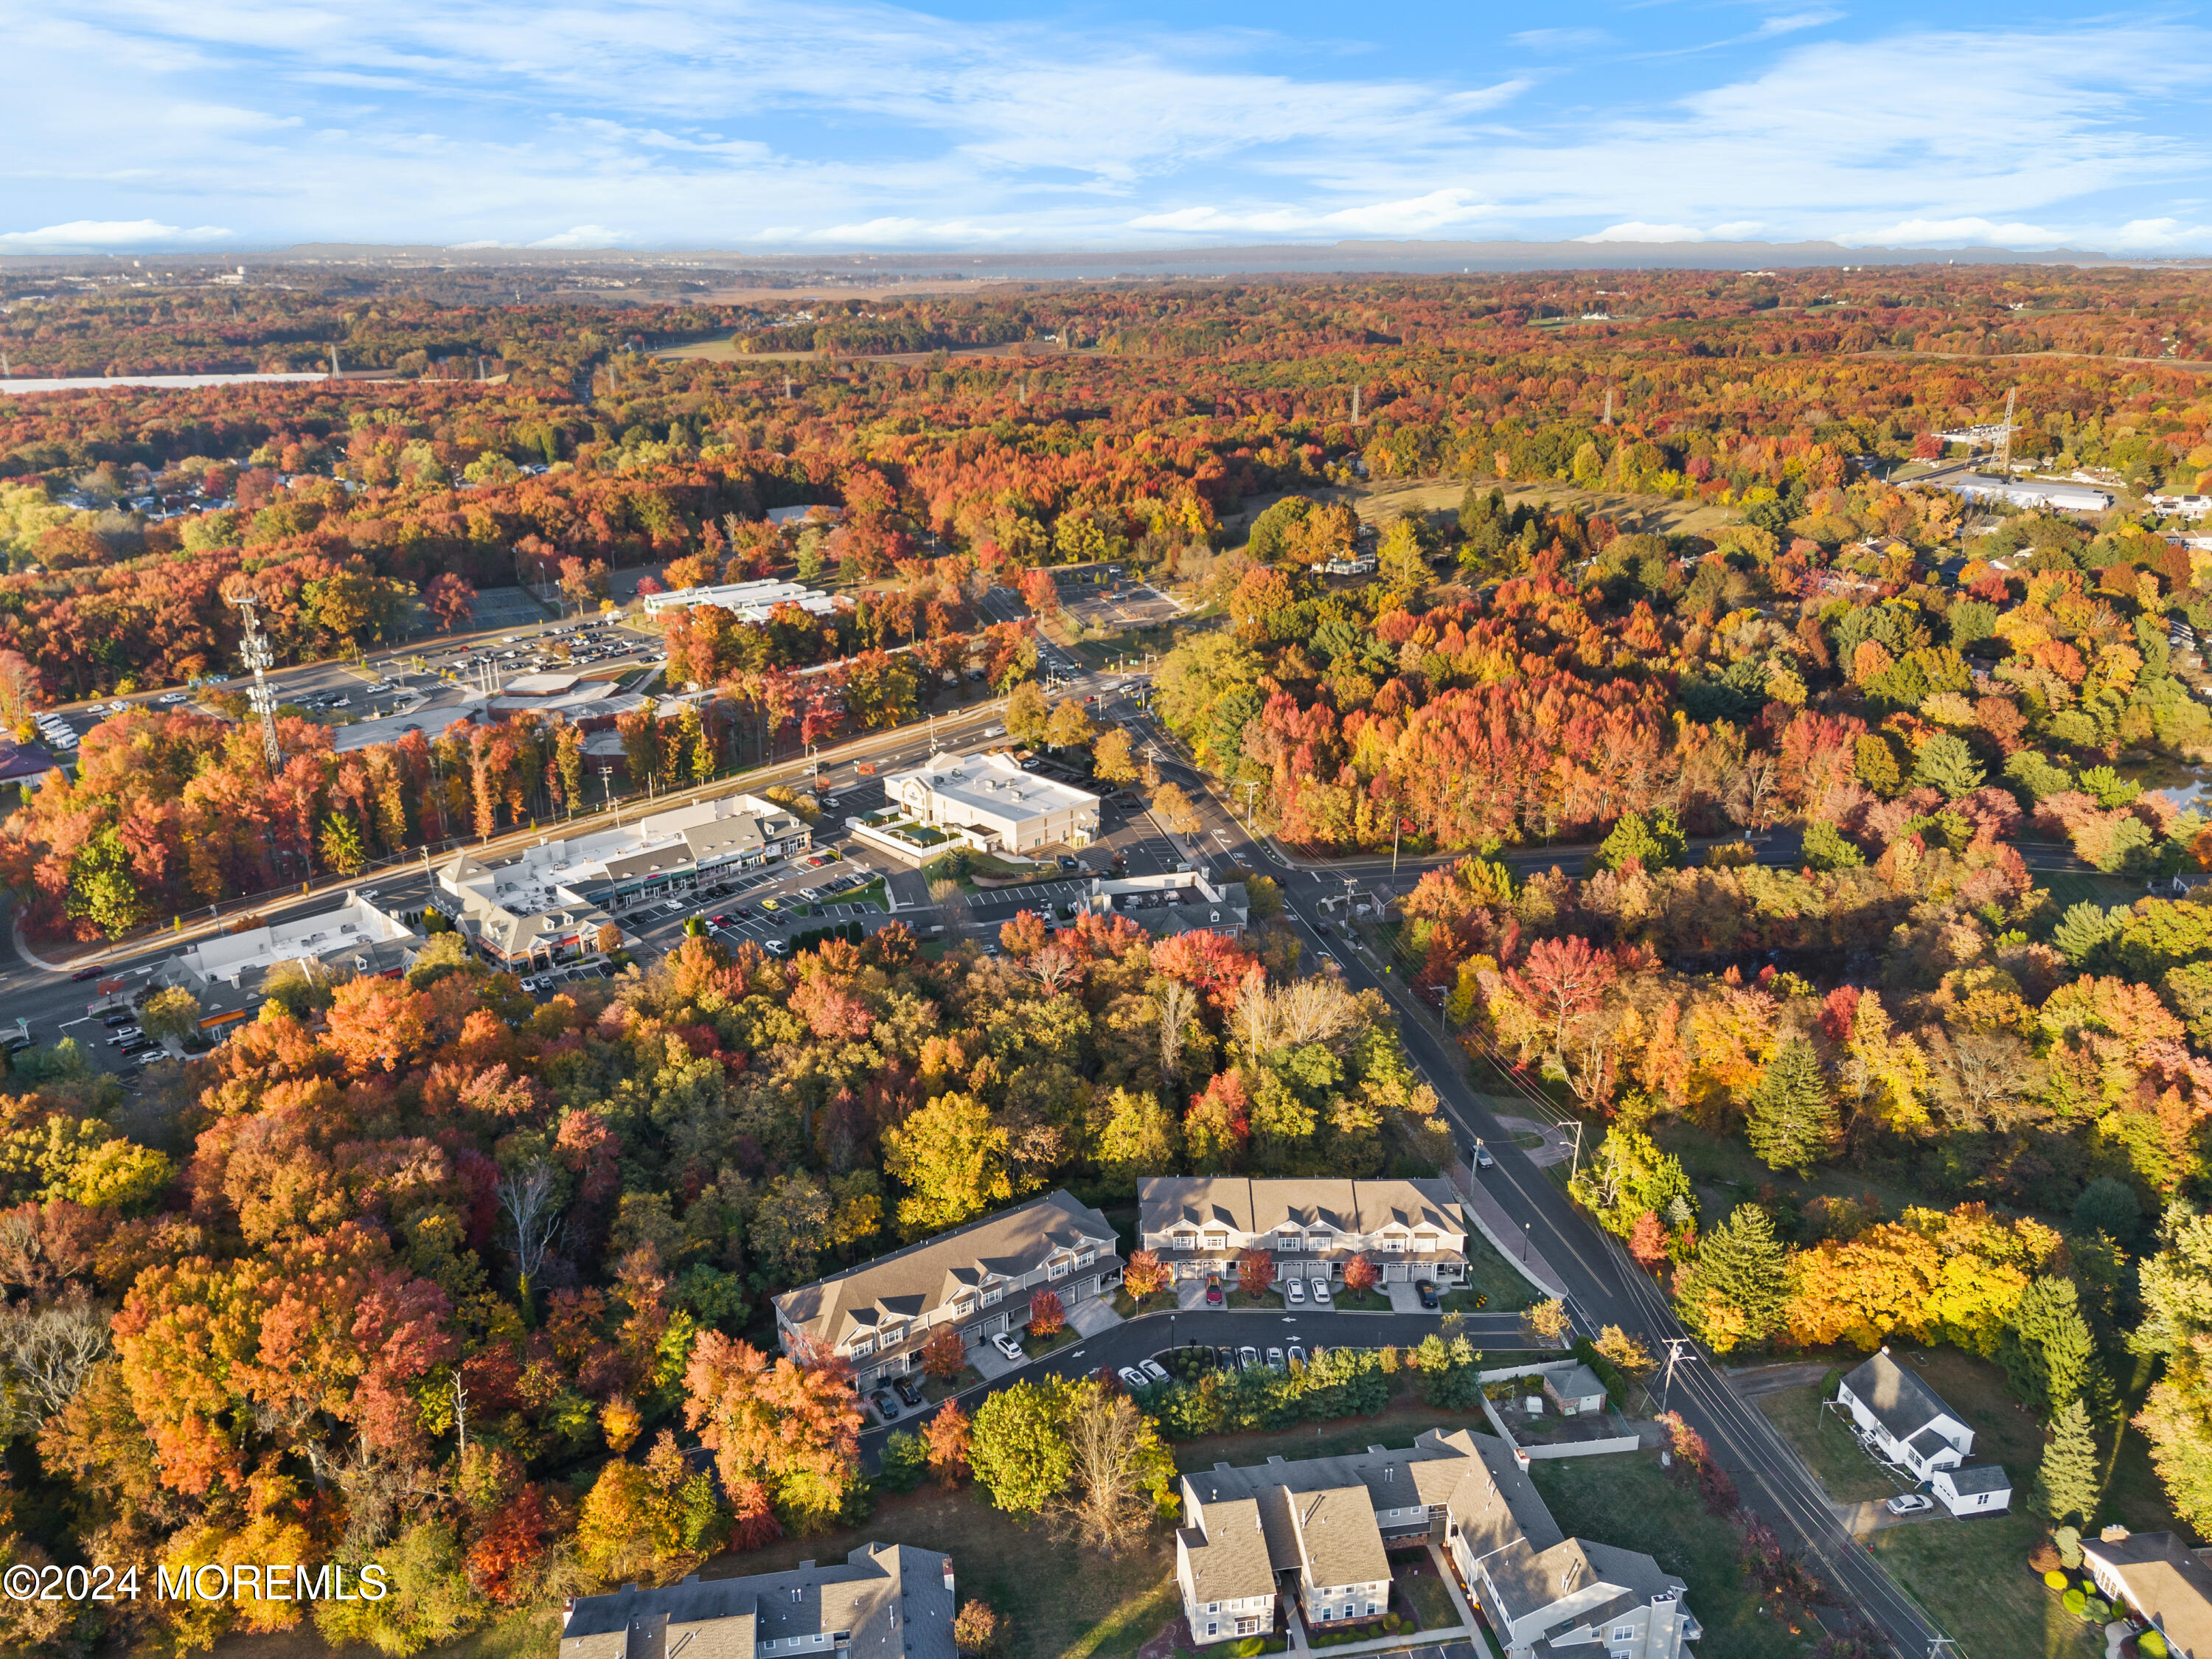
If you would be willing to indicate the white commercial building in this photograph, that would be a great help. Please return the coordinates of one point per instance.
(670, 851)
(226, 972)
(751, 602)
(2027, 492)
(513, 914)
(1001, 808)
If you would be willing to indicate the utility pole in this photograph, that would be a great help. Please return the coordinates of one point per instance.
(1677, 1348)
(253, 645)
(2004, 438)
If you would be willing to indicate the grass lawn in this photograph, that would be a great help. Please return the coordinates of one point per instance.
(933, 1389)
(1489, 1274)
(1427, 1600)
(1037, 1347)
(1345, 1301)
(1629, 1502)
(1238, 1299)
(1129, 1307)
(1063, 1602)
(1726, 1173)
(1972, 1575)
(2070, 887)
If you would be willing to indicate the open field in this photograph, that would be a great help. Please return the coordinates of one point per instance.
(1629, 1502)
(1386, 499)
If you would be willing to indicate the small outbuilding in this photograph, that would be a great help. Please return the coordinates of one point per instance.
(1972, 1489)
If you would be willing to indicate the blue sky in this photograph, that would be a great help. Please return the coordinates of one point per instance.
(135, 126)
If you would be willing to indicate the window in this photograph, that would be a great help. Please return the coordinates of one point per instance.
(1213, 1607)
(1317, 1241)
(1058, 1269)
(1213, 1630)
(1216, 1241)
(1396, 1246)
(1624, 1632)
(995, 1293)
(1371, 1609)
(863, 1345)
(1086, 1258)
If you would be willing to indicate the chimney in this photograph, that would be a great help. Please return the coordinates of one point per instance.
(948, 1575)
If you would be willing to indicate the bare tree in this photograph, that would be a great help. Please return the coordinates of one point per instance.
(1178, 1004)
(1107, 1506)
(44, 1352)
(529, 1199)
(951, 903)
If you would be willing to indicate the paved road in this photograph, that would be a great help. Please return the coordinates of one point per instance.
(1261, 1328)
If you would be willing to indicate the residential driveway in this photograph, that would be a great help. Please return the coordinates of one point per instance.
(1405, 1300)
(1093, 1315)
(1558, 1145)
(991, 1363)
(1860, 1519)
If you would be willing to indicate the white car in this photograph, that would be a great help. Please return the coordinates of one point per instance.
(1482, 1158)
(1154, 1371)
(1320, 1292)
(1910, 1502)
(1294, 1293)
(1132, 1378)
(994, 731)
(1007, 1345)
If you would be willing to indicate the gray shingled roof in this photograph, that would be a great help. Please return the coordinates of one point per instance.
(1340, 1542)
(917, 1280)
(1258, 1206)
(1978, 1477)
(2165, 1577)
(1229, 1552)
(891, 1598)
(1900, 1401)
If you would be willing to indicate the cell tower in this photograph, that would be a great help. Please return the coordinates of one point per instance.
(2004, 438)
(253, 645)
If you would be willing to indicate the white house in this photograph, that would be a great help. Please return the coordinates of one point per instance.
(1904, 1419)
(1972, 1489)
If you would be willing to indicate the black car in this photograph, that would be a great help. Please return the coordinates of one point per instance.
(1427, 1292)
(886, 1408)
(909, 1389)
(131, 1051)
(83, 973)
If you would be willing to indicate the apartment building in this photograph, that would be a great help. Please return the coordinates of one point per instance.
(1410, 1229)
(1315, 1534)
(978, 1278)
(885, 1601)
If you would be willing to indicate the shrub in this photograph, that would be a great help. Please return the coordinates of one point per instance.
(2076, 1603)
(2054, 1578)
(2152, 1645)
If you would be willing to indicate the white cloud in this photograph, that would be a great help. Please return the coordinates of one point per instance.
(856, 121)
(583, 236)
(1636, 231)
(106, 234)
(1560, 40)
(1795, 22)
(1954, 232)
(1442, 210)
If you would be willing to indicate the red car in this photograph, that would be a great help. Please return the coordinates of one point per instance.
(1214, 1290)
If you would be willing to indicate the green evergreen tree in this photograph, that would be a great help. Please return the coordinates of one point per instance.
(2049, 1354)
(2069, 1472)
(1946, 762)
(2084, 928)
(1656, 843)
(1827, 849)
(1733, 1293)
(1793, 1115)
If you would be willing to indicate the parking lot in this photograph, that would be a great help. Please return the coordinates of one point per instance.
(1133, 605)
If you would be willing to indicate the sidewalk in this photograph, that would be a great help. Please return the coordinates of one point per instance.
(1506, 1236)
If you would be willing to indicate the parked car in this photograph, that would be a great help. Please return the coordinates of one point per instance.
(1294, 1293)
(1067, 862)
(1007, 1345)
(1214, 1290)
(1275, 1360)
(1482, 1158)
(1224, 1358)
(1427, 1292)
(1154, 1371)
(718, 922)
(1296, 1354)
(1246, 1356)
(84, 973)
(1910, 1502)
(117, 1021)
(1320, 1287)
(1134, 1379)
(909, 1389)
(126, 1034)
(886, 1408)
